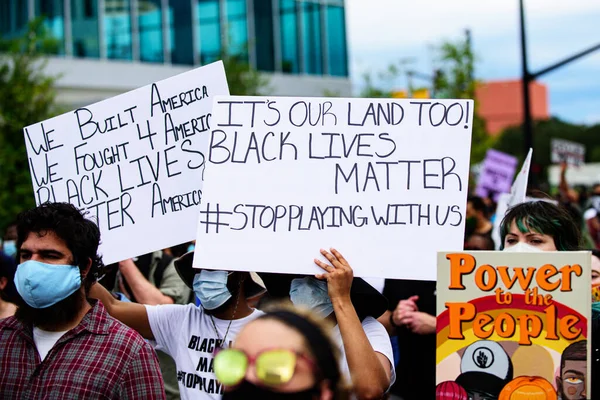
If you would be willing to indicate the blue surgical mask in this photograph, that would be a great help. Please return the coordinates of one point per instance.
(311, 293)
(43, 285)
(211, 288)
(191, 248)
(10, 248)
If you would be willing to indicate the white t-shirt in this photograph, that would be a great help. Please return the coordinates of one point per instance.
(45, 340)
(187, 334)
(379, 339)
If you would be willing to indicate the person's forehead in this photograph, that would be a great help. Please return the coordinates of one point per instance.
(596, 263)
(47, 240)
(264, 334)
(578, 365)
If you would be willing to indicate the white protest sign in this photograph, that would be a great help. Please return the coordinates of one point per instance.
(566, 151)
(518, 191)
(134, 162)
(383, 181)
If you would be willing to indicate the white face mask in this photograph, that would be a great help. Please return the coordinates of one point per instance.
(522, 248)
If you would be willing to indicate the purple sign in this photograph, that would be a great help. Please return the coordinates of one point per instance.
(496, 174)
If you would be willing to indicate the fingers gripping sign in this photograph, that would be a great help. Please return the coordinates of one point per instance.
(339, 274)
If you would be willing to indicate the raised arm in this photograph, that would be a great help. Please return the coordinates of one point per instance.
(142, 289)
(133, 315)
(370, 370)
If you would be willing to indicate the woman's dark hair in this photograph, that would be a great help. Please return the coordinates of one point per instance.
(595, 252)
(80, 234)
(545, 218)
(317, 340)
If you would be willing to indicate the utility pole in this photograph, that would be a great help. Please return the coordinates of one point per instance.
(529, 77)
(527, 128)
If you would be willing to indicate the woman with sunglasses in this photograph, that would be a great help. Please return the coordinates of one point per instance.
(283, 354)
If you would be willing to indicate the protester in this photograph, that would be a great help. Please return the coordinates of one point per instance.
(352, 305)
(284, 354)
(592, 216)
(152, 279)
(60, 345)
(9, 240)
(411, 321)
(477, 242)
(191, 334)
(477, 221)
(7, 286)
(539, 226)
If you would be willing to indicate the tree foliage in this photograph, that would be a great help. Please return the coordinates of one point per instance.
(511, 141)
(455, 79)
(243, 80)
(27, 96)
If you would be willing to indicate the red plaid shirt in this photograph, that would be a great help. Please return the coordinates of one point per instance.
(98, 359)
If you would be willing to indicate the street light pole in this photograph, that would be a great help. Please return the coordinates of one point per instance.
(527, 126)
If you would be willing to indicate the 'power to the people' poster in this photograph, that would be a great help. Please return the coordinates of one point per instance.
(513, 325)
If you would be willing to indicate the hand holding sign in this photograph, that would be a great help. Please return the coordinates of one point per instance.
(339, 275)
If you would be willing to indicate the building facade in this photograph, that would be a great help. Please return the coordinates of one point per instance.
(501, 103)
(106, 47)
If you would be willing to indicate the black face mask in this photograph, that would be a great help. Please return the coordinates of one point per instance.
(247, 390)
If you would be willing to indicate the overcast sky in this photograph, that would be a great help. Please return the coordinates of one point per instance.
(381, 32)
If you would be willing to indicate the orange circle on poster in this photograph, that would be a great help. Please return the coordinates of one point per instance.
(528, 388)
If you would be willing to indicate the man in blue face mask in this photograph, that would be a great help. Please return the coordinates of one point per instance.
(59, 344)
(192, 334)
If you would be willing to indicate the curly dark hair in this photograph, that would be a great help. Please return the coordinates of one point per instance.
(80, 234)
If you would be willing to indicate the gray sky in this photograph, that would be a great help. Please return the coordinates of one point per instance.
(381, 32)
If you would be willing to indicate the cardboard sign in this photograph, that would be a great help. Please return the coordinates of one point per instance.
(566, 151)
(134, 162)
(383, 181)
(510, 320)
(496, 175)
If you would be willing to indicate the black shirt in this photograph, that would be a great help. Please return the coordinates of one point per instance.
(415, 372)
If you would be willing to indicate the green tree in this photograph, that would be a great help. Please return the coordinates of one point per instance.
(455, 79)
(27, 96)
(511, 141)
(243, 80)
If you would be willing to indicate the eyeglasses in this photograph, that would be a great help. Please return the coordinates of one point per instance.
(273, 367)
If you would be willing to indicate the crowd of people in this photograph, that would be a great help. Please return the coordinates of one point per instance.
(153, 327)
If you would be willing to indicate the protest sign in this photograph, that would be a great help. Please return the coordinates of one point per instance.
(134, 161)
(509, 319)
(516, 196)
(496, 175)
(518, 191)
(566, 151)
(383, 181)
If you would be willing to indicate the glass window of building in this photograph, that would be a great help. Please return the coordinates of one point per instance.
(336, 41)
(180, 32)
(84, 27)
(237, 28)
(264, 42)
(14, 15)
(312, 45)
(150, 30)
(117, 29)
(210, 30)
(290, 60)
(54, 19)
